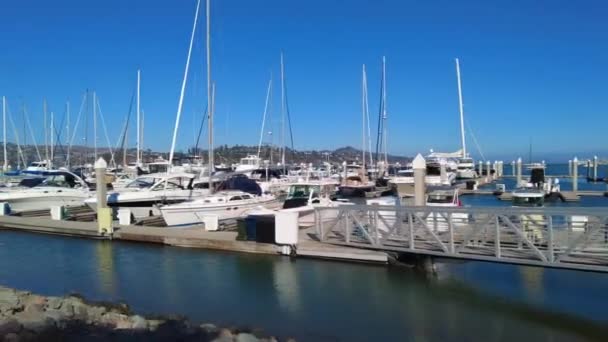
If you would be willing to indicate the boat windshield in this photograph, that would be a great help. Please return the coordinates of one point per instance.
(158, 168)
(466, 161)
(522, 201)
(60, 181)
(440, 198)
(302, 191)
(141, 183)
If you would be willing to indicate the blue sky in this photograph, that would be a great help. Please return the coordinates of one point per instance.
(530, 69)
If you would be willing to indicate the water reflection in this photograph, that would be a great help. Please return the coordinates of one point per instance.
(309, 299)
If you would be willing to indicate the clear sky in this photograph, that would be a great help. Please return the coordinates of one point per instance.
(531, 69)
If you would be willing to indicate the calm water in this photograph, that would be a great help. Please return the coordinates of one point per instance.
(314, 300)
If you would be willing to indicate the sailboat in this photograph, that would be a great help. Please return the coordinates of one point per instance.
(465, 164)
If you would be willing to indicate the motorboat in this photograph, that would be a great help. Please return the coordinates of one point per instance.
(37, 167)
(528, 197)
(248, 164)
(356, 186)
(466, 168)
(444, 198)
(303, 198)
(146, 193)
(224, 205)
(403, 182)
(59, 188)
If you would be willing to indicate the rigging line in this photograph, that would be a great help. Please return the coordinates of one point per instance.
(19, 150)
(58, 136)
(380, 120)
(77, 120)
(123, 136)
(105, 131)
(288, 116)
(29, 126)
(200, 132)
(475, 141)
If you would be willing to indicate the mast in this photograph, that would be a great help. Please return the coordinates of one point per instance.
(141, 146)
(283, 110)
(52, 141)
(184, 81)
(95, 125)
(264, 116)
(209, 95)
(46, 133)
(67, 110)
(138, 161)
(461, 108)
(363, 149)
(384, 116)
(5, 165)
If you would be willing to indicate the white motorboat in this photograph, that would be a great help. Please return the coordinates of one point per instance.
(528, 197)
(445, 198)
(466, 168)
(223, 205)
(144, 194)
(60, 188)
(248, 164)
(404, 181)
(37, 167)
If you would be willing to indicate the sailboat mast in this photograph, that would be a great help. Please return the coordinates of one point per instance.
(141, 146)
(5, 165)
(184, 81)
(46, 133)
(461, 108)
(52, 140)
(67, 110)
(283, 110)
(384, 116)
(95, 125)
(364, 143)
(138, 119)
(209, 95)
(264, 116)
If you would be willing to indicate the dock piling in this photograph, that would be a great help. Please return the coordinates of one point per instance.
(419, 166)
(595, 168)
(104, 214)
(518, 172)
(488, 172)
(575, 174)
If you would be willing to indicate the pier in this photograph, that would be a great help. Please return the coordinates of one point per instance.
(569, 238)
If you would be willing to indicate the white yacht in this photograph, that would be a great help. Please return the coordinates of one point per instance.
(37, 167)
(144, 194)
(466, 168)
(404, 181)
(248, 164)
(59, 188)
(224, 205)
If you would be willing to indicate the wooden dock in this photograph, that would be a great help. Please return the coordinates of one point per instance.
(190, 237)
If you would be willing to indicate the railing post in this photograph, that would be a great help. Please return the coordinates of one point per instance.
(497, 238)
(346, 226)
(375, 227)
(410, 220)
(551, 251)
(451, 232)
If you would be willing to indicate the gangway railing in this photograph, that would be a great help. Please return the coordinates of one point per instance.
(573, 238)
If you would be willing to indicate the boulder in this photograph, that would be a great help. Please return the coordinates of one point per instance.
(36, 322)
(9, 300)
(139, 323)
(54, 303)
(245, 337)
(8, 326)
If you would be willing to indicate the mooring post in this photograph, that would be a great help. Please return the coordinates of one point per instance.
(480, 169)
(443, 174)
(594, 168)
(518, 172)
(513, 168)
(344, 170)
(570, 167)
(575, 174)
(104, 214)
(419, 166)
(488, 172)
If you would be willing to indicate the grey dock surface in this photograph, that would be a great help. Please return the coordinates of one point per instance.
(190, 237)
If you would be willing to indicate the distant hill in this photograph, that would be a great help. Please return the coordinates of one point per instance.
(223, 154)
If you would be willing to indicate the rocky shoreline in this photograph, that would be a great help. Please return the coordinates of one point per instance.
(29, 317)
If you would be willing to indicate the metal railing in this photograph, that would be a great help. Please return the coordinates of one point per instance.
(575, 238)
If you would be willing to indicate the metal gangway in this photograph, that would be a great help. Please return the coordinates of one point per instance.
(571, 238)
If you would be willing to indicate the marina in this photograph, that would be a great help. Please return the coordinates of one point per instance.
(302, 172)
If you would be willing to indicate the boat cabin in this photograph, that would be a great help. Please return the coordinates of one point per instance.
(528, 198)
(443, 198)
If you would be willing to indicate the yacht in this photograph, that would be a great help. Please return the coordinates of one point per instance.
(37, 167)
(528, 197)
(403, 182)
(356, 186)
(248, 164)
(224, 205)
(144, 194)
(466, 168)
(444, 198)
(60, 187)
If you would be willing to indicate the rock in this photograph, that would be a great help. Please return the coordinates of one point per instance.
(244, 337)
(11, 337)
(57, 317)
(209, 328)
(139, 323)
(54, 303)
(8, 326)
(153, 324)
(35, 322)
(67, 309)
(225, 335)
(9, 300)
(95, 313)
(34, 304)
